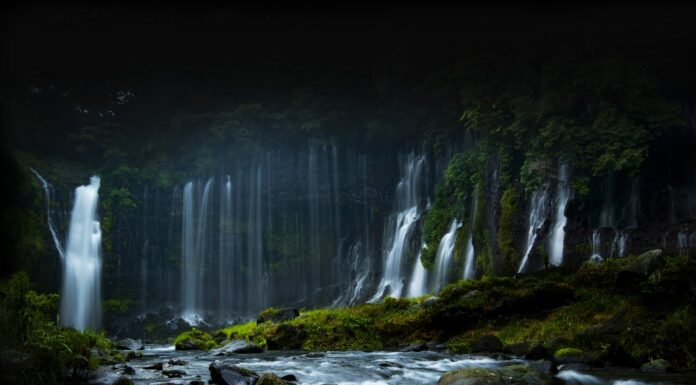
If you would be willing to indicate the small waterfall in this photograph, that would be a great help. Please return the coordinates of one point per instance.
(49, 217)
(469, 256)
(621, 243)
(596, 244)
(443, 260)
(225, 264)
(682, 243)
(419, 278)
(538, 211)
(256, 281)
(81, 294)
(563, 194)
(408, 193)
(359, 272)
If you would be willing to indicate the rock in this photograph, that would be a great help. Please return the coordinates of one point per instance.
(537, 351)
(123, 381)
(556, 343)
(430, 301)
(657, 366)
(277, 315)
(287, 337)
(643, 265)
(130, 344)
(156, 366)
(507, 375)
(544, 366)
(567, 356)
(315, 355)
(415, 348)
(177, 362)
(197, 382)
(389, 364)
(174, 373)
(271, 379)
(186, 345)
(237, 347)
(487, 344)
(128, 370)
(436, 346)
(289, 377)
(519, 349)
(225, 373)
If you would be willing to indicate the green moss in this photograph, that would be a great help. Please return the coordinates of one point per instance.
(270, 312)
(200, 339)
(568, 352)
(506, 231)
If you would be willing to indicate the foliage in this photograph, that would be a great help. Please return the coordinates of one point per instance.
(200, 339)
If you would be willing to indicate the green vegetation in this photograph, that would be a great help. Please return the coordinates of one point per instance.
(194, 339)
(35, 349)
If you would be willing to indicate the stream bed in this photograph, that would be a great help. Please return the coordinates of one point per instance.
(357, 368)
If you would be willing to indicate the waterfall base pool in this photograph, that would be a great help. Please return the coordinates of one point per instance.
(357, 368)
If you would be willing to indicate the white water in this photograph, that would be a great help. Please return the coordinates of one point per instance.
(469, 256)
(596, 244)
(81, 294)
(419, 278)
(563, 194)
(443, 259)
(401, 225)
(538, 212)
(47, 191)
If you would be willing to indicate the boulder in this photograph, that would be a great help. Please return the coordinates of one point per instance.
(519, 349)
(567, 356)
(225, 373)
(130, 344)
(237, 347)
(287, 337)
(123, 381)
(657, 366)
(186, 345)
(430, 301)
(389, 364)
(271, 379)
(277, 315)
(174, 373)
(487, 344)
(196, 382)
(507, 375)
(289, 377)
(128, 370)
(643, 265)
(537, 351)
(177, 362)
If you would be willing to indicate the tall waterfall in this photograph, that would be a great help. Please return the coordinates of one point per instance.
(443, 259)
(538, 210)
(419, 278)
(194, 247)
(408, 196)
(469, 256)
(256, 299)
(81, 295)
(563, 194)
(49, 217)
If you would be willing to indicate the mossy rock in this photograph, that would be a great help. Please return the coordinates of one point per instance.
(507, 375)
(194, 340)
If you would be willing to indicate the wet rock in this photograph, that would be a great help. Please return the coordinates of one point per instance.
(508, 375)
(657, 366)
(128, 370)
(122, 381)
(196, 382)
(271, 379)
(278, 315)
(174, 373)
(289, 377)
(415, 348)
(389, 364)
(237, 347)
(177, 362)
(643, 265)
(156, 366)
(537, 351)
(576, 356)
(287, 337)
(225, 373)
(186, 345)
(436, 346)
(315, 355)
(129, 344)
(487, 344)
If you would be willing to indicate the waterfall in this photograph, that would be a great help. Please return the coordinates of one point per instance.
(563, 194)
(596, 244)
(621, 243)
(47, 191)
(255, 283)
(443, 259)
(682, 243)
(225, 264)
(194, 249)
(81, 294)
(469, 256)
(407, 199)
(419, 278)
(537, 217)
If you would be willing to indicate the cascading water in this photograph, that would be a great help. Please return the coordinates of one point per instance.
(418, 285)
(596, 244)
(81, 294)
(469, 256)
(49, 217)
(563, 194)
(682, 243)
(443, 259)
(538, 211)
(407, 198)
